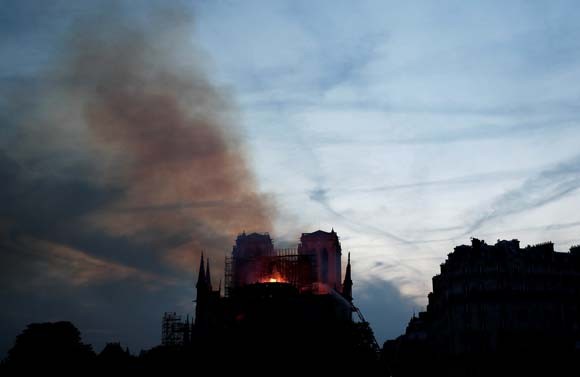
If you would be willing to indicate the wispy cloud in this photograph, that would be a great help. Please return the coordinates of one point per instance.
(463, 180)
(61, 264)
(551, 184)
(321, 196)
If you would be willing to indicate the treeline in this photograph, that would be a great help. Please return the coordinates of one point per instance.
(58, 348)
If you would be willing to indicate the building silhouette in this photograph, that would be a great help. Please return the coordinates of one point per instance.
(267, 285)
(293, 288)
(493, 303)
(277, 305)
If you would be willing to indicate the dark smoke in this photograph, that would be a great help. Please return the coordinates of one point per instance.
(120, 161)
(168, 133)
(128, 110)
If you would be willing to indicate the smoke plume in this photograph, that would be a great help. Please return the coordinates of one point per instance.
(130, 98)
(149, 102)
(120, 161)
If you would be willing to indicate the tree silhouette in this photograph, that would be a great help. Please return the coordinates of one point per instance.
(50, 346)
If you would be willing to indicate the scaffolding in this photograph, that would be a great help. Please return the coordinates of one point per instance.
(296, 269)
(228, 277)
(172, 329)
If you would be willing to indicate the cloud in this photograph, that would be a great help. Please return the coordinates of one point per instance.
(463, 180)
(61, 264)
(321, 196)
(550, 185)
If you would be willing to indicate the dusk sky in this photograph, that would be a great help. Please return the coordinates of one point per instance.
(135, 134)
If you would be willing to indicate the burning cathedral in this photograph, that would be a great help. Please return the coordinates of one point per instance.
(287, 307)
(265, 285)
(276, 302)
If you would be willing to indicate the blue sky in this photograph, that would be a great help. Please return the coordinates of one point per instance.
(409, 127)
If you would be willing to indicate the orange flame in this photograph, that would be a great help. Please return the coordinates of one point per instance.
(275, 277)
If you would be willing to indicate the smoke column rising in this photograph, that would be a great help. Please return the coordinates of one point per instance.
(120, 161)
(128, 95)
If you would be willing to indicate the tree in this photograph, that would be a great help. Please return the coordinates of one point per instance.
(53, 346)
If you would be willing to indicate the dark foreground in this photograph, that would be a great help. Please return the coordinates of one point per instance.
(301, 350)
(57, 347)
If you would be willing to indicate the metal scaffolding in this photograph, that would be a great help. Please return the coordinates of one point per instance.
(172, 329)
(228, 277)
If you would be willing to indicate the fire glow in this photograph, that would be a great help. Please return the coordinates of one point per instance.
(275, 277)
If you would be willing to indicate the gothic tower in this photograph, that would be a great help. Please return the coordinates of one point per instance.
(325, 248)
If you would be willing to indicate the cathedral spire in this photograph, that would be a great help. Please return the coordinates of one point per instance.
(347, 285)
(202, 294)
(201, 278)
(208, 276)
